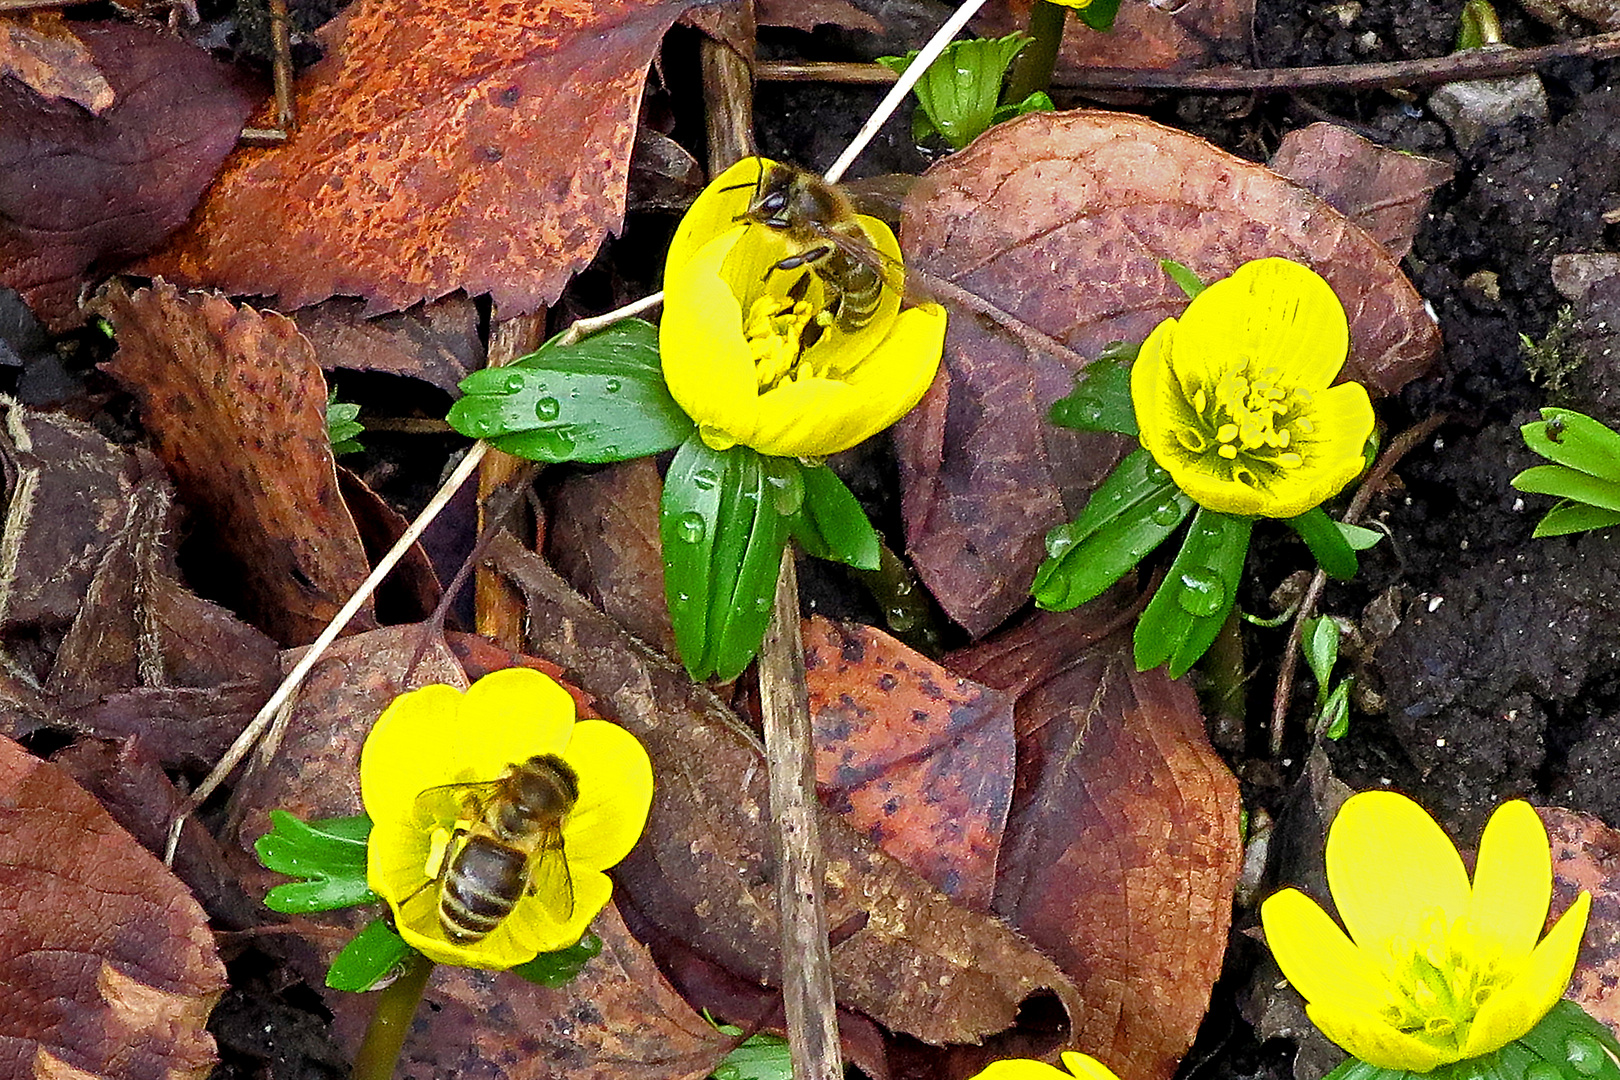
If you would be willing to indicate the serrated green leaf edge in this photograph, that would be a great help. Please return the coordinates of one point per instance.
(330, 855)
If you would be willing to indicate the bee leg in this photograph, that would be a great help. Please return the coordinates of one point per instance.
(804, 258)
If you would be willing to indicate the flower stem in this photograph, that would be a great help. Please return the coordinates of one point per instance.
(396, 1006)
(1032, 70)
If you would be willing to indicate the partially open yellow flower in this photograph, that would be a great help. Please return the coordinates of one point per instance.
(1079, 1065)
(747, 349)
(1234, 399)
(439, 736)
(1435, 970)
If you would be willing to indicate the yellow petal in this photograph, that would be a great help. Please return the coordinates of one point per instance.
(532, 929)
(1315, 955)
(1155, 396)
(706, 360)
(1269, 312)
(1390, 867)
(396, 858)
(1086, 1067)
(1519, 1006)
(1512, 881)
(394, 768)
(1021, 1069)
(1375, 1042)
(512, 715)
(715, 210)
(615, 792)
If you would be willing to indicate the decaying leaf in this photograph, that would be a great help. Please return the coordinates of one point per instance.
(1186, 34)
(1044, 237)
(1384, 191)
(1584, 854)
(108, 964)
(908, 957)
(806, 15)
(440, 147)
(39, 50)
(437, 342)
(1122, 847)
(619, 1020)
(237, 407)
(917, 758)
(80, 192)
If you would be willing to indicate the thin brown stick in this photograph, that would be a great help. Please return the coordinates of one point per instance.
(728, 89)
(281, 70)
(1429, 71)
(784, 705)
(1397, 449)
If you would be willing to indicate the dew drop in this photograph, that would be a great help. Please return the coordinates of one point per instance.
(481, 427)
(690, 527)
(787, 491)
(1157, 474)
(1166, 513)
(548, 408)
(1059, 541)
(1584, 1054)
(705, 479)
(562, 442)
(514, 383)
(900, 620)
(612, 386)
(682, 599)
(1200, 592)
(762, 603)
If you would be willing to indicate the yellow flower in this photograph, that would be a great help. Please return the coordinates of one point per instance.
(745, 354)
(437, 736)
(1234, 399)
(1435, 970)
(1076, 4)
(1081, 1065)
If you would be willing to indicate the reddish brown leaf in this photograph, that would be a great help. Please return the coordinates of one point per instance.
(79, 192)
(1181, 35)
(917, 758)
(441, 146)
(436, 342)
(109, 968)
(905, 955)
(1384, 191)
(1584, 857)
(1055, 223)
(806, 15)
(237, 408)
(1122, 848)
(40, 51)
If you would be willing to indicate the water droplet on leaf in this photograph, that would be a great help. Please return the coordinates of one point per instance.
(1200, 592)
(1585, 1054)
(690, 527)
(705, 479)
(612, 386)
(514, 383)
(1166, 513)
(548, 408)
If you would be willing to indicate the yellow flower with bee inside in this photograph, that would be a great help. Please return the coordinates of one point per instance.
(494, 813)
(1435, 969)
(782, 327)
(1235, 399)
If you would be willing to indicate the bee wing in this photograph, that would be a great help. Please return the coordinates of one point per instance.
(445, 803)
(867, 254)
(549, 878)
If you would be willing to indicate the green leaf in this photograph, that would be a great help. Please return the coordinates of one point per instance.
(1181, 621)
(368, 957)
(758, 1057)
(1358, 538)
(1336, 711)
(1039, 101)
(1101, 398)
(1567, 483)
(555, 969)
(723, 531)
(341, 426)
(1129, 515)
(1327, 543)
(1576, 440)
(1321, 647)
(1183, 277)
(601, 399)
(1099, 14)
(832, 524)
(959, 91)
(329, 854)
(1573, 517)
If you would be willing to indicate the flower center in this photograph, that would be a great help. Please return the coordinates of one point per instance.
(1249, 422)
(1440, 978)
(774, 330)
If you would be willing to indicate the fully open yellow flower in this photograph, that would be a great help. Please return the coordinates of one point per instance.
(745, 354)
(438, 736)
(1234, 399)
(1079, 1065)
(1435, 970)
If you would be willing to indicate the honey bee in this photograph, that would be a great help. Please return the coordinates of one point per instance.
(507, 844)
(820, 221)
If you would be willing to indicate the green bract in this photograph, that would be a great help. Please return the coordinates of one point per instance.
(1585, 475)
(330, 855)
(960, 93)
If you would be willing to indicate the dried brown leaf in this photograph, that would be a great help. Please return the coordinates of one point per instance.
(806, 15)
(237, 407)
(908, 957)
(109, 967)
(1054, 224)
(441, 146)
(436, 342)
(40, 50)
(1122, 847)
(1384, 191)
(1584, 857)
(1189, 34)
(82, 192)
(918, 759)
